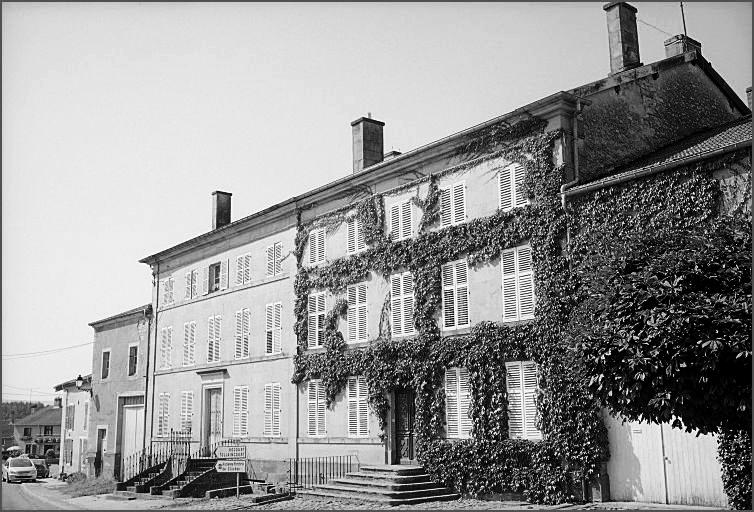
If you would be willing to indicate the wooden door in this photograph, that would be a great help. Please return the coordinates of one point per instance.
(404, 427)
(214, 422)
(133, 431)
(101, 439)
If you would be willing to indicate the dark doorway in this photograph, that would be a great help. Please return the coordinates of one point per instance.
(101, 437)
(404, 427)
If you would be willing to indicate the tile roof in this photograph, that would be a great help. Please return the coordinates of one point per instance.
(695, 146)
(45, 416)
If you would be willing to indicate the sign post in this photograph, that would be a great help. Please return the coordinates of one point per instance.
(232, 460)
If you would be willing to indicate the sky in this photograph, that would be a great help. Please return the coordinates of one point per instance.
(120, 119)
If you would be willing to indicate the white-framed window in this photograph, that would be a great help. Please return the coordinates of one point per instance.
(511, 187)
(457, 402)
(243, 321)
(189, 343)
(166, 348)
(401, 221)
(316, 307)
(105, 364)
(272, 409)
(214, 337)
(402, 304)
(240, 411)
(316, 408)
(274, 258)
(356, 241)
(521, 383)
(358, 407)
(187, 410)
(163, 414)
(133, 359)
(273, 328)
(518, 284)
(455, 295)
(453, 204)
(191, 284)
(243, 269)
(215, 277)
(168, 296)
(317, 246)
(357, 313)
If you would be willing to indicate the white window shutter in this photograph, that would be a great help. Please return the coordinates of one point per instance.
(224, 274)
(396, 303)
(210, 339)
(362, 312)
(321, 407)
(245, 411)
(462, 293)
(525, 283)
(406, 226)
(446, 217)
(194, 283)
(170, 348)
(464, 403)
(505, 188)
(205, 280)
(277, 330)
(515, 399)
(363, 407)
(268, 410)
(395, 215)
(530, 385)
(353, 407)
(451, 403)
(239, 270)
(163, 347)
(352, 314)
(247, 268)
(510, 285)
(237, 411)
(218, 335)
(459, 203)
(322, 246)
(278, 257)
(360, 242)
(351, 239)
(246, 327)
(271, 260)
(239, 335)
(276, 409)
(268, 327)
(187, 294)
(312, 408)
(408, 303)
(448, 296)
(186, 341)
(518, 184)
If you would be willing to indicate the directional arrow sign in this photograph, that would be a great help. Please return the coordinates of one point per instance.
(235, 451)
(230, 466)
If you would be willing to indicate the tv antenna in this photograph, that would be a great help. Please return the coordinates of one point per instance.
(683, 17)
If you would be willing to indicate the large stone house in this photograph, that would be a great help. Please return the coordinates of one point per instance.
(39, 431)
(411, 311)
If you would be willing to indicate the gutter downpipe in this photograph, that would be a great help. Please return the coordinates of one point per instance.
(146, 384)
(580, 104)
(156, 277)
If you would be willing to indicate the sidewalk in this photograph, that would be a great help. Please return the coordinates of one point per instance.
(51, 492)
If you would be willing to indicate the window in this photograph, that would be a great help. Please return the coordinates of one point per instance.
(400, 221)
(167, 290)
(273, 329)
(316, 409)
(455, 295)
(47, 430)
(243, 319)
(317, 246)
(274, 257)
(241, 411)
(105, 364)
(68, 451)
(355, 236)
(189, 343)
(518, 284)
(215, 277)
(166, 348)
(511, 186)
(402, 304)
(86, 416)
(214, 337)
(133, 359)
(457, 399)
(521, 384)
(357, 313)
(453, 204)
(163, 414)
(187, 410)
(70, 412)
(316, 334)
(358, 409)
(27, 431)
(272, 410)
(243, 269)
(192, 282)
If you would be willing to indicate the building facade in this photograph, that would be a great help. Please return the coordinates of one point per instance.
(119, 384)
(76, 413)
(411, 311)
(39, 432)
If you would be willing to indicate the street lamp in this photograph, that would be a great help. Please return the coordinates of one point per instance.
(79, 381)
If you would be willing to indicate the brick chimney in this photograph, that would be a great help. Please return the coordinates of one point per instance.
(367, 142)
(623, 37)
(679, 44)
(220, 209)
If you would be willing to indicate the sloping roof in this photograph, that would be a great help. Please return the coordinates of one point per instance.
(6, 430)
(727, 137)
(145, 309)
(46, 416)
(86, 378)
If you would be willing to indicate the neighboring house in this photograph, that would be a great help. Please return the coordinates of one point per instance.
(39, 431)
(119, 369)
(244, 309)
(76, 405)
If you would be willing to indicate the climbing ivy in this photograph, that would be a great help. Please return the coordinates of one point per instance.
(575, 439)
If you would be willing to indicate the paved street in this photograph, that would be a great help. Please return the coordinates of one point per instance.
(17, 497)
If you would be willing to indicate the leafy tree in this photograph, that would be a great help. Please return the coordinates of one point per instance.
(663, 323)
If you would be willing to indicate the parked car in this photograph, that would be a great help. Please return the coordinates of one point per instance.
(43, 471)
(19, 469)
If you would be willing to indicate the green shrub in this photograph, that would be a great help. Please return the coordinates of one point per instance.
(734, 454)
(76, 477)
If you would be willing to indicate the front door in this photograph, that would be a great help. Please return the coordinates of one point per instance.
(101, 447)
(133, 432)
(213, 431)
(404, 427)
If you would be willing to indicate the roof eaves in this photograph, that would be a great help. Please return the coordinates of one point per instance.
(145, 309)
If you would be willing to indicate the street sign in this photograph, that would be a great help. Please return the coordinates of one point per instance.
(230, 466)
(233, 451)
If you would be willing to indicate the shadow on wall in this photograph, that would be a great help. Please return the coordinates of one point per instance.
(626, 483)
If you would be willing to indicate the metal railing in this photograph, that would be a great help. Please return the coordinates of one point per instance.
(158, 452)
(308, 472)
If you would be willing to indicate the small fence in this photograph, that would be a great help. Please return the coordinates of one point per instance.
(307, 472)
(156, 453)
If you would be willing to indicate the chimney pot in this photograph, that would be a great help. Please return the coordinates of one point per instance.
(220, 209)
(679, 44)
(367, 142)
(623, 37)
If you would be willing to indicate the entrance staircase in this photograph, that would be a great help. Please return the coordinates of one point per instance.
(199, 477)
(389, 485)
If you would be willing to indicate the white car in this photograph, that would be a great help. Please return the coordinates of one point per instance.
(19, 469)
